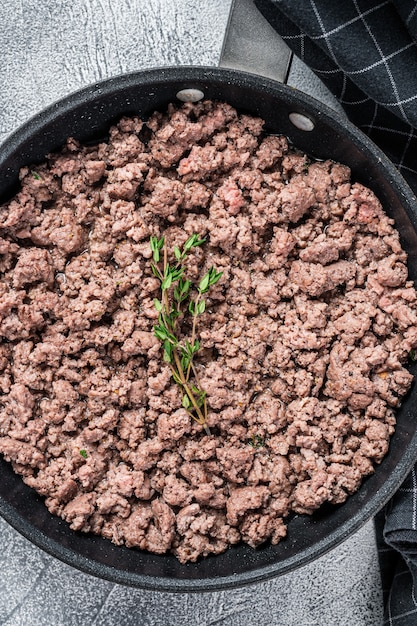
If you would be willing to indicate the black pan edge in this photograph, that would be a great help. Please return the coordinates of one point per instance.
(86, 113)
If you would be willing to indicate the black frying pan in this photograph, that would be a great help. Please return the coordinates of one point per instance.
(87, 115)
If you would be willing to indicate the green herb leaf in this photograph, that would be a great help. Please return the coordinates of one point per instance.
(83, 453)
(214, 276)
(182, 290)
(200, 397)
(186, 402)
(256, 441)
(156, 246)
(204, 283)
(155, 271)
(163, 334)
(193, 242)
(185, 361)
(209, 279)
(188, 348)
(168, 351)
(167, 282)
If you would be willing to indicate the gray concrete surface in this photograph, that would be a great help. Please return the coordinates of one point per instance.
(49, 48)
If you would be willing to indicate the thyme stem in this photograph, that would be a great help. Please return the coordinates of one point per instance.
(175, 302)
(201, 418)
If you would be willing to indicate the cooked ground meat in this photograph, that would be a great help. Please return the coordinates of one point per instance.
(304, 340)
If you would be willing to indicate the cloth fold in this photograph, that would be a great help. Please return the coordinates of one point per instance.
(365, 52)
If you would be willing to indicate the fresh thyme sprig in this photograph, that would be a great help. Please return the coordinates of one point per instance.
(176, 301)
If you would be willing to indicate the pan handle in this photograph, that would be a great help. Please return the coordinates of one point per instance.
(252, 45)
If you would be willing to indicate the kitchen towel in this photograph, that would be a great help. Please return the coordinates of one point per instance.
(365, 52)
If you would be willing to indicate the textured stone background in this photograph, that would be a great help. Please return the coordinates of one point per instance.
(49, 48)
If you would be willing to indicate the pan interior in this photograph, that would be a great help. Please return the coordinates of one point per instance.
(87, 116)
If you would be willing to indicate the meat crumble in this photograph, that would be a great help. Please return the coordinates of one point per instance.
(304, 340)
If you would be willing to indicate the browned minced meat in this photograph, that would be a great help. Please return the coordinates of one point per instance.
(304, 340)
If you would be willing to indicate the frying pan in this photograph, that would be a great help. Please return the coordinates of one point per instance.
(87, 115)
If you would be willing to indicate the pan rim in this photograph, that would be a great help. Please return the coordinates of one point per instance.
(192, 73)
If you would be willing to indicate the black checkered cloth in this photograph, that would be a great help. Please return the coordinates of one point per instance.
(365, 52)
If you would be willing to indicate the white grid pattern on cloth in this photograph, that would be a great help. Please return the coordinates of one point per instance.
(394, 619)
(381, 61)
(403, 508)
(410, 17)
(371, 125)
(328, 44)
(401, 515)
(392, 615)
(340, 27)
(327, 34)
(361, 101)
(384, 60)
